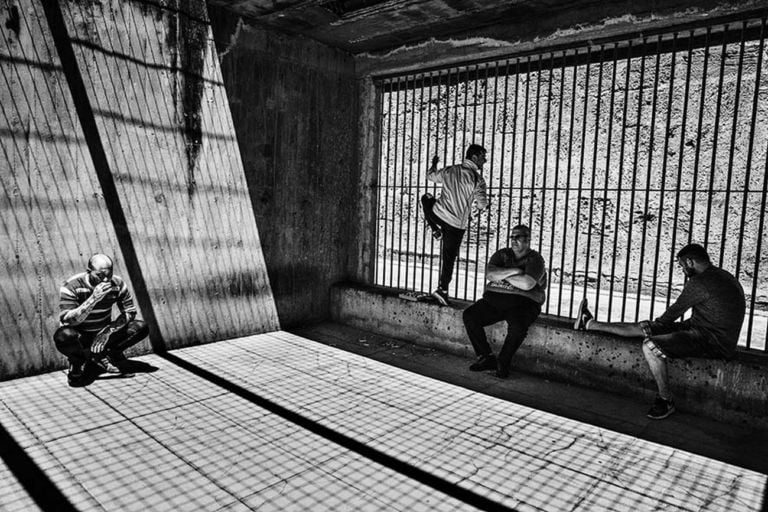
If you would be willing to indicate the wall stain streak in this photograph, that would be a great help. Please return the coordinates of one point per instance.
(13, 22)
(187, 40)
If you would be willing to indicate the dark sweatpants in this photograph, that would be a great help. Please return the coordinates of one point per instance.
(451, 239)
(519, 312)
(76, 345)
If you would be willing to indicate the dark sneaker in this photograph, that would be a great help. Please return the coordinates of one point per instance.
(661, 408)
(583, 315)
(502, 374)
(483, 363)
(75, 374)
(441, 296)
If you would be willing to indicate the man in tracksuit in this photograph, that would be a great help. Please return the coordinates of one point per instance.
(449, 214)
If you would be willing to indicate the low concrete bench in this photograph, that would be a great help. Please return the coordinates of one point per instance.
(734, 391)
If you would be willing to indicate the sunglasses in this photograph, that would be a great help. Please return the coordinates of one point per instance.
(519, 237)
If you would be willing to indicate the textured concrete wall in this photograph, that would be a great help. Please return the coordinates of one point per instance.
(158, 112)
(295, 109)
(735, 391)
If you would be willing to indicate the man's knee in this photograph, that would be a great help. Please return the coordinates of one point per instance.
(469, 315)
(67, 340)
(651, 351)
(138, 330)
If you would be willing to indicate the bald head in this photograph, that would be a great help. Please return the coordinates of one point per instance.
(100, 268)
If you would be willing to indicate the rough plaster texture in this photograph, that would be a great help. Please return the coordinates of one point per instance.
(294, 104)
(159, 110)
(735, 391)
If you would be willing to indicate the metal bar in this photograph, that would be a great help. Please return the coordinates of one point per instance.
(582, 145)
(534, 152)
(504, 152)
(595, 151)
(758, 252)
(609, 145)
(554, 198)
(748, 170)
(646, 206)
(402, 195)
(546, 167)
(620, 182)
(632, 194)
(481, 265)
(758, 74)
(525, 139)
(568, 193)
(734, 131)
(699, 130)
(665, 161)
(384, 187)
(514, 142)
(420, 190)
(713, 163)
(394, 189)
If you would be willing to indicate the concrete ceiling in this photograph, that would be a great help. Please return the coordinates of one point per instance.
(372, 26)
(406, 33)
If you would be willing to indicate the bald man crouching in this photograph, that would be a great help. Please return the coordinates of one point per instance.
(87, 335)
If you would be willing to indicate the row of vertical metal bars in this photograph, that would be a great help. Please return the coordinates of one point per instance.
(688, 107)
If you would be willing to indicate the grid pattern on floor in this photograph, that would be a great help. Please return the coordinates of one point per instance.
(172, 440)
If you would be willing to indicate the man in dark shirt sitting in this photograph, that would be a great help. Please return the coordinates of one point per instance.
(717, 302)
(514, 292)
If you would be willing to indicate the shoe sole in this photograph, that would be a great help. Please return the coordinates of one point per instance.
(579, 324)
(670, 411)
(440, 299)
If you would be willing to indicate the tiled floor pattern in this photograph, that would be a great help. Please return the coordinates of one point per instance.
(172, 440)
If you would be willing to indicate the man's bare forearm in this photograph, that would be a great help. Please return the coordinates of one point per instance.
(80, 313)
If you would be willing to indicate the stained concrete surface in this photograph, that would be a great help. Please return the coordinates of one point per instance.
(740, 445)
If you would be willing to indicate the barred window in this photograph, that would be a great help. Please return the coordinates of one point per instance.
(616, 154)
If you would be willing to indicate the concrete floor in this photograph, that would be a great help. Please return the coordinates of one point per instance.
(280, 422)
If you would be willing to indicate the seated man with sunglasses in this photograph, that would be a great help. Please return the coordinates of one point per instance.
(514, 291)
(87, 335)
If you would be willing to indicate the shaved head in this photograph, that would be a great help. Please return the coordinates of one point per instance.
(100, 262)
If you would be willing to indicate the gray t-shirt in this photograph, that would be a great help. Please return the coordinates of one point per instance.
(718, 304)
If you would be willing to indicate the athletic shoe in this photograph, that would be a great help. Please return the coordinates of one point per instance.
(483, 363)
(661, 408)
(106, 366)
(583, 316)
(441, 296)
(502, 374)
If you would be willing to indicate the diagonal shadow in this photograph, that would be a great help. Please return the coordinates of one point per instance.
(85, 114)
(465, 495)
(34, 480)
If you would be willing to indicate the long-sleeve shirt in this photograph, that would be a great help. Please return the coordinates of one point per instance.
(718, 304)
(462, 185)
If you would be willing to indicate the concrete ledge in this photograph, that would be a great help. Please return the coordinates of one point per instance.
(734, 391)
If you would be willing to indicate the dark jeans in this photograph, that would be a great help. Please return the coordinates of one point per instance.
(519, 312)
(452, 238)
(76, 345)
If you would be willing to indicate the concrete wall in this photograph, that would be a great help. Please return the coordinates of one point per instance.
(120, 140)
(295, 109)
(734, 391)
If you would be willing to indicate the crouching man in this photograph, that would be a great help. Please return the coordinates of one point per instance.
(87, 336)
